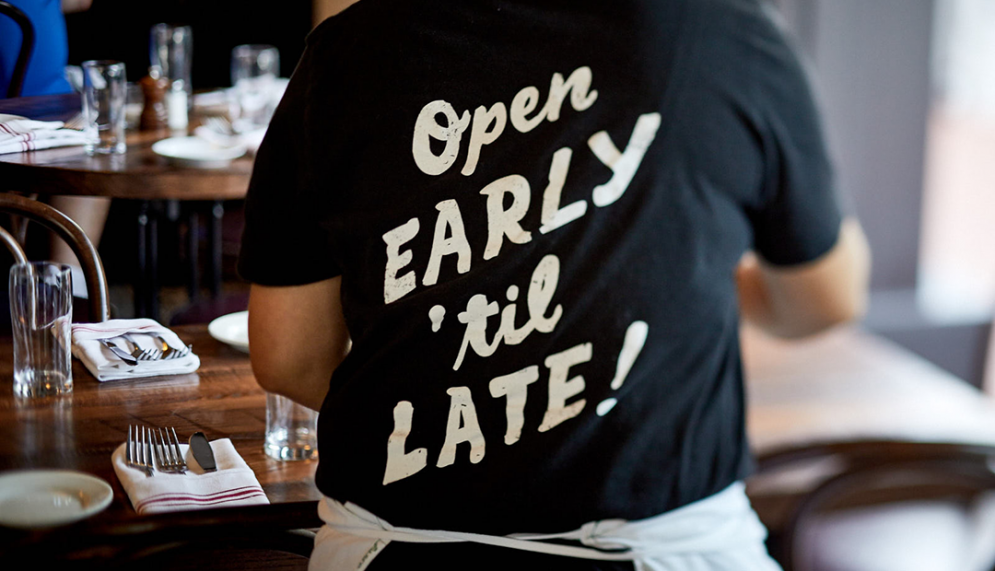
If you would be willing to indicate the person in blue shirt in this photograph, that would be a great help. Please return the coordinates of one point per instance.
(46, 76)
(48, 59)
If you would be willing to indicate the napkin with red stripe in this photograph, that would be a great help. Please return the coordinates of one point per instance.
(233, 484)
(106, 366)
(18, 135)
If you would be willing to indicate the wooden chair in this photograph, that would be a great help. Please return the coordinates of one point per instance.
(27, 46)
(892, 501)
(65, 228)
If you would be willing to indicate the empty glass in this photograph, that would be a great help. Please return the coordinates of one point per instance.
(104, 94)
(41, 306)
(291, 430)
(171, 52)
(254, 69)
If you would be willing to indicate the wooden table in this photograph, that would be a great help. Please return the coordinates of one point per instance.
(849, 385)
(81, 430)
(845, 391)
(844, 386)
(139, 174)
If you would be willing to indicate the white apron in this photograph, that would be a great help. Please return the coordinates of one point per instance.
(717, 533)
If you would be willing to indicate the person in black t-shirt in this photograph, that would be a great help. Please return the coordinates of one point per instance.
(530, 219)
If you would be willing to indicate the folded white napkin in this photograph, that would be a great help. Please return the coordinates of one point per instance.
(106, 366)
(233, 484)
(20, 135)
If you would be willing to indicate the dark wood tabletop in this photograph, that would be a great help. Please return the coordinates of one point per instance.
(137, 174)
(804, 398)
(79, 431)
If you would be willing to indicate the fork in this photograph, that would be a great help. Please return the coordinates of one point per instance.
(138, 449)
(76, 122)
(220, 125)
(139, 353)
(168, 351)
(167, 451)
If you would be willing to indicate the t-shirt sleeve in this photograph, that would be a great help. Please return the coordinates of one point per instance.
(284, 242)
(796, 217)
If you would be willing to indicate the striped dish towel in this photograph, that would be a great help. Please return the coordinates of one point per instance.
(233, 484)
(20, 135)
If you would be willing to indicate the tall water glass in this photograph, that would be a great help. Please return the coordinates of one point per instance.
(291, 430)
(41, 307)
(254, 69)
(171, 52)
(105, 90)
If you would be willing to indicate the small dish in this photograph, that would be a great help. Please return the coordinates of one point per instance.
(44, 498)
(196, 152)
(232, 330)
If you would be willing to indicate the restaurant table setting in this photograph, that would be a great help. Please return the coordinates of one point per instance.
(215, 477)
(131, 348)
(18, 135)
(64, 441)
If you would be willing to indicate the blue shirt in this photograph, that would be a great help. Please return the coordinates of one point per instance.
(51, 51)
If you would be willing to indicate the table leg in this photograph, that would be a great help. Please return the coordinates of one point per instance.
(152, 299)
(147, 278)
(140, 280)
(193, 254)
(217, 213)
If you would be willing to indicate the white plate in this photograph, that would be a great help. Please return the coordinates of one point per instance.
(41, 498)
(232, 329)
(196, 152)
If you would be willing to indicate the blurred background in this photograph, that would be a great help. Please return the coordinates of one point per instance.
(907, 91)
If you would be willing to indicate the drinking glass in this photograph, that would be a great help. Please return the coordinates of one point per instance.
(254, 69)
(291, 429)
(104, 93)
(171, 53)
(41, 306)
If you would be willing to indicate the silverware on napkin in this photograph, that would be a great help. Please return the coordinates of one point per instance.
(119, 353)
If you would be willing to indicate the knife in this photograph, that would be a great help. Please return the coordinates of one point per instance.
(202, 452)
(119, 353)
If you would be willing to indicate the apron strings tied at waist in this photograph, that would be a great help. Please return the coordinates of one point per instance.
(725, 521)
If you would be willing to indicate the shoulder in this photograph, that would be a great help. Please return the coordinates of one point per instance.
(745, 50)
(755, 23)
(357, 21)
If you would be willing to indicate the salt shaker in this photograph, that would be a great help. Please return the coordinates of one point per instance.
(176, 106)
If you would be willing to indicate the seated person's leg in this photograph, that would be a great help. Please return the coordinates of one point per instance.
(90, 213)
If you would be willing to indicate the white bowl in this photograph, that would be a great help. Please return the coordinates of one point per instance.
(197, 152)
(232, 329)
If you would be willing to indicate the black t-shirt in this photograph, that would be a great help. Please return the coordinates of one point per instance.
(536, 209)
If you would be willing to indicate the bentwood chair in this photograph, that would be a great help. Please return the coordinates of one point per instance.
(27, 46)
(65, 228)
(894, 505)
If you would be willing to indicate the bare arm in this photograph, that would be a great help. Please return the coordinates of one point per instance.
(801, 300)
(70, 6)
(298, 337)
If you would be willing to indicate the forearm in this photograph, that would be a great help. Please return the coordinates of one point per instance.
(307, 388)
(805, 299)
(297, 339)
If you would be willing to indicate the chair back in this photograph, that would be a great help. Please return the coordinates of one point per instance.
(895, 505)
(27, 46)
(65, 228)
